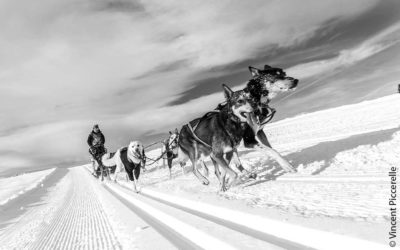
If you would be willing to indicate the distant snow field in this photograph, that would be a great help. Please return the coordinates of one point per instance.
(13, 187)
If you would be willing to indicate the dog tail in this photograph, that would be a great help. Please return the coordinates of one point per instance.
(118, 161)
(109, 159)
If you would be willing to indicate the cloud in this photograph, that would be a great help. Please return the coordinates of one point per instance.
(372, 46)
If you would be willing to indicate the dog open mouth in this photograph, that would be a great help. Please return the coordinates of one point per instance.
(244, 114)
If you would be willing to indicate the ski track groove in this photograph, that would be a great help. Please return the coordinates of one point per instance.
(47, 236)
(69, 218)
(80, 223)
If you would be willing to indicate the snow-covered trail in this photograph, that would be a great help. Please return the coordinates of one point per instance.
(198, 231)
(67, 215)
(73, 210)
(81, 221)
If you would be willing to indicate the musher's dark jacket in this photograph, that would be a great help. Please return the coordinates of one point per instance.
(96, 139)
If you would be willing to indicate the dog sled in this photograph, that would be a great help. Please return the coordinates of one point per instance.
(99, 170)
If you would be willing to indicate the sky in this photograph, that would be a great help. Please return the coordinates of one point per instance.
(142, 68)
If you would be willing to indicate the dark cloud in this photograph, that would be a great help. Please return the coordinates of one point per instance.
(164, 67)
(368, 79)
(127, 6)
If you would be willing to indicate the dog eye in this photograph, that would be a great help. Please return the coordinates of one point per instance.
(241, 101)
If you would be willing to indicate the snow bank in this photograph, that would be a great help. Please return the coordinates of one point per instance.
(305, 130)
(13, 187)
(348, 184)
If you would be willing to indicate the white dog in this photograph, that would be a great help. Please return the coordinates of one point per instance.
(129, 159)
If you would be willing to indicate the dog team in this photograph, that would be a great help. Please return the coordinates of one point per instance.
(215, 135)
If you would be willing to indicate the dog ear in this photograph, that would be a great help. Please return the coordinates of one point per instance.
(227, 91)
(176, 131)
(267, 67)
(254, 71)
(170, 132)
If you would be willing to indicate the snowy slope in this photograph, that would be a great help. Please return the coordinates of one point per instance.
(332, 124)
(13, 187)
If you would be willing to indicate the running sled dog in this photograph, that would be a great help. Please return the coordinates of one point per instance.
(265, 84)
(217, 134)
(127, 159)
(170, 150)
(242, 117)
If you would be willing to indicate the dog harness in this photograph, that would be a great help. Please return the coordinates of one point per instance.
(193, 128)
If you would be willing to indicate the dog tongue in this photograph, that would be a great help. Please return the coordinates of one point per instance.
(253, 122)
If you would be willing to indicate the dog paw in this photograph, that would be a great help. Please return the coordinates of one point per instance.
(206, 183)
(289, 168)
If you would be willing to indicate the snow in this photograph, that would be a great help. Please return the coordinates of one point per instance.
(199, 238)
(22, 231)
(305, 130)
(305, 237)
(13, 187)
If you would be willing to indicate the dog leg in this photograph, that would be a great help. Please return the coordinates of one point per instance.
(225, 170)
(163, 158)
(195, 161)
(117, 170)
(102, 171)
(170, 168)
(197, 173)
(132, 178)
(216, 170)
(236, 160)
(108, 173)
(205, 168)
(262, 137)
(136, 173)
(278, 158)
(94, 167)
(135, 186)
(182, 164)
(266, 147)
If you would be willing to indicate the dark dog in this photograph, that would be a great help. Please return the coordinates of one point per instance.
(264, 86)
(170, 149)
(217, 134)
(269, 82)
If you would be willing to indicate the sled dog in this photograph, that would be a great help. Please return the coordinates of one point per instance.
(127, 159)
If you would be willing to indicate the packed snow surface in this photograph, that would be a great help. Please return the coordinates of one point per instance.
(15, 186)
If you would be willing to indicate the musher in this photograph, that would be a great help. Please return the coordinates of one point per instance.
(96, 142)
